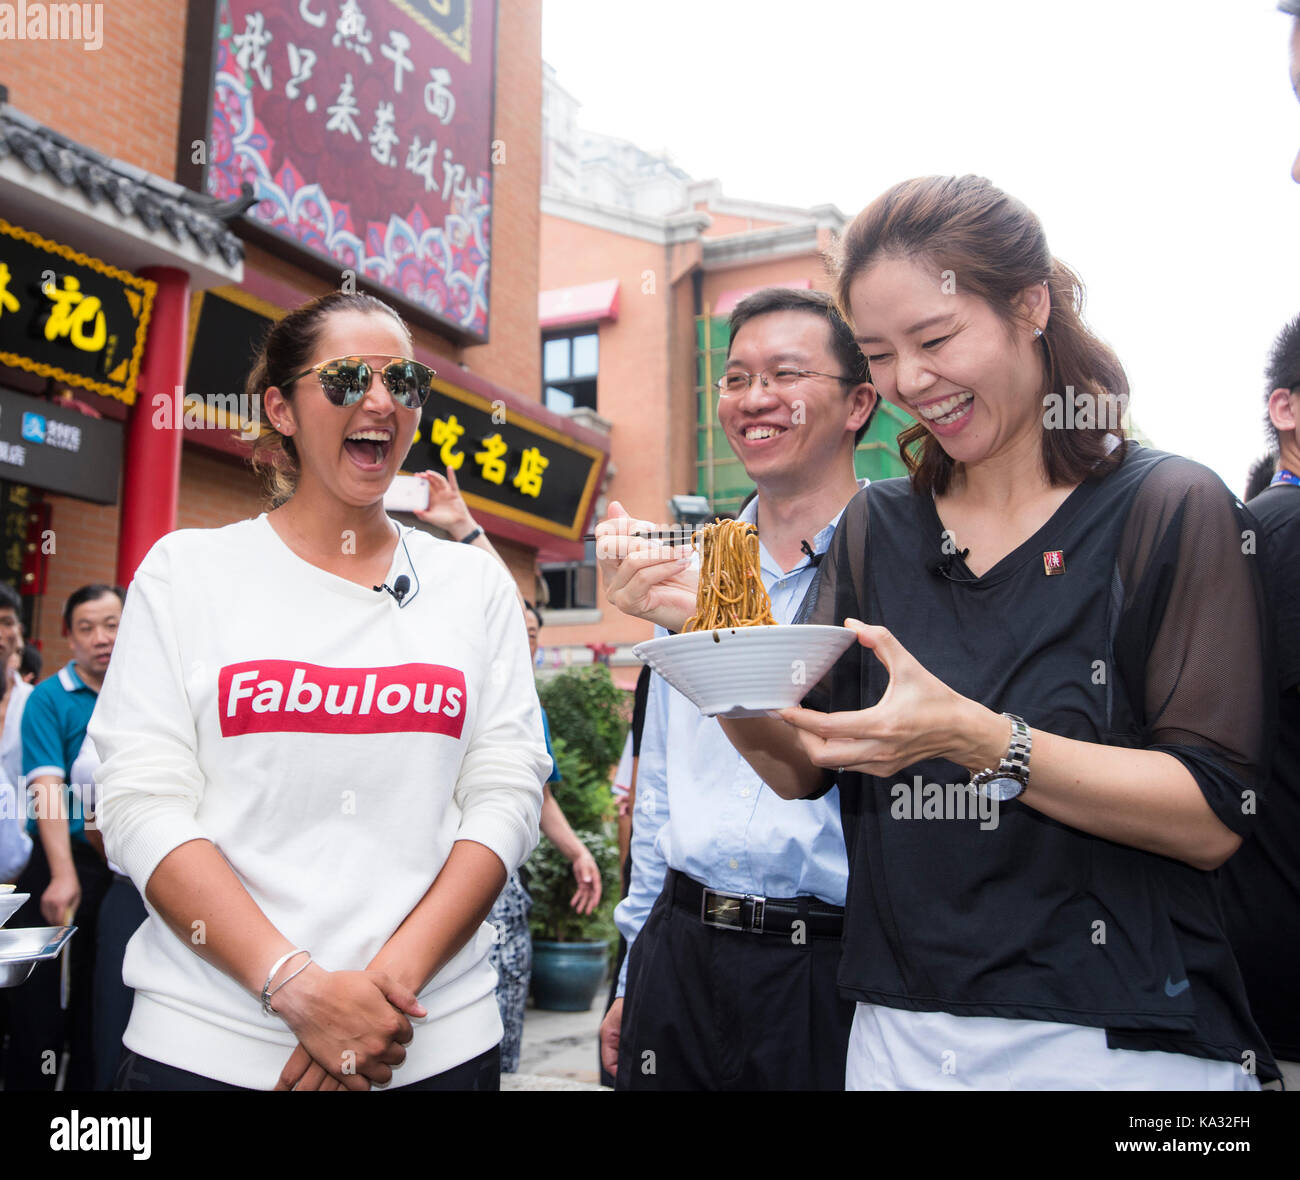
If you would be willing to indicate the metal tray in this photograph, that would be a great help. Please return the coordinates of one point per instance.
(21, 950)
(11, 903)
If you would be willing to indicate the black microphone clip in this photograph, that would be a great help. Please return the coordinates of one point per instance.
(399, 589)
(943, 567)
(814, 559)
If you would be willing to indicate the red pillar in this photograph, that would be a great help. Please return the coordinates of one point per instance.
(151, 483)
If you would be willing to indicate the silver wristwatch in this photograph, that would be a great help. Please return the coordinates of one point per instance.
(1012, 774)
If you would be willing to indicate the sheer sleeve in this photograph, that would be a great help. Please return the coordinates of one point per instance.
(838, 593)
(1191, 638)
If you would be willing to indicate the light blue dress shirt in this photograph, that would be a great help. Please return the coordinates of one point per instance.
(700, 809)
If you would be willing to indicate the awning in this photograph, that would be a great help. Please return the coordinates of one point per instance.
(585, 304)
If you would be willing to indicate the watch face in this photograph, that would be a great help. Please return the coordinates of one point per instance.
(1001, 789)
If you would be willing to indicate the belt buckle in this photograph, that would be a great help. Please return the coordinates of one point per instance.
(722, 909)
(727, 910)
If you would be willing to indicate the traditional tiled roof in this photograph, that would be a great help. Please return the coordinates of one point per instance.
(186, 216)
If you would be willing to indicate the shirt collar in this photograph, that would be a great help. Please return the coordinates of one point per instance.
(70, 680)
(820, 543)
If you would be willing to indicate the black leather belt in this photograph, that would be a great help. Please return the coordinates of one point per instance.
(756, 915)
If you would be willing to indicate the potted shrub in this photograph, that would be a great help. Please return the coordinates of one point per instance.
(588, 718)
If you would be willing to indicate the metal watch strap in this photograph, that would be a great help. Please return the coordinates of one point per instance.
(1016, 762)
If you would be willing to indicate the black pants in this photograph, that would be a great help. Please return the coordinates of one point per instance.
(120, 916)
(138, 1073)
(711, 1009)
(38, 1025)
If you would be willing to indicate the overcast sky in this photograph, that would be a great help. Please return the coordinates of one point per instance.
(1153, 139)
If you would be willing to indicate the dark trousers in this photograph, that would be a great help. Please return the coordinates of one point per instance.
(711, 1009)
(138, 1073)
(38, 1025)
(120, 916)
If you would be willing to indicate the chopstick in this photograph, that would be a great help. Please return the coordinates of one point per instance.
(680, 536)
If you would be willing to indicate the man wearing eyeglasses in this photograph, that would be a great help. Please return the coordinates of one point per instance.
(734, 913)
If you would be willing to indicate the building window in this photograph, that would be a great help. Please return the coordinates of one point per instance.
(569, 365)
(571, 585)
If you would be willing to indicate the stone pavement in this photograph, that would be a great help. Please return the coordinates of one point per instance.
(559, 1049)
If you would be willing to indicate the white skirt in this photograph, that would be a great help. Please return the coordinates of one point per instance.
(894, 1049)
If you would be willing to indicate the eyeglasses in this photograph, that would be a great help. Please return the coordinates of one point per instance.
(345, 380)
(783, 377)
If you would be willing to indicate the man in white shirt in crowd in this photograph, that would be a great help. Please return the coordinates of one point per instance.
(736, 904)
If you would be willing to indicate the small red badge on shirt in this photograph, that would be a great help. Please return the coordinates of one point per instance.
(1054, 562)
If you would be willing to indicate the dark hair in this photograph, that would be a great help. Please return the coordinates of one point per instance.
(285, 352)
(1282, 372)
(91, 593)
(843, 347)
(1260, 476)
(537, 614)
(10, 600)
(966, 227)
(31, 663)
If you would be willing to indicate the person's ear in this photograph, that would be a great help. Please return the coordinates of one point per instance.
(1281, 411)
(863, 400)
(279, 411)
(1035, 306)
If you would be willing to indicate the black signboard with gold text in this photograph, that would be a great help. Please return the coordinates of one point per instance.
(505, 463)
(71, 317)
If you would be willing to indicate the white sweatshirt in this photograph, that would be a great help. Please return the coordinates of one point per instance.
(333, 746)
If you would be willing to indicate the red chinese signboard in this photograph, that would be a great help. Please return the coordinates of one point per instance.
(365, 129)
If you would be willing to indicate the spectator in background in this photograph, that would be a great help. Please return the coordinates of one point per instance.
(29, 668)
(67, 875)
(624, 789)
(512, 950)
(1261, 884)
(1259, 477)
(15, 843)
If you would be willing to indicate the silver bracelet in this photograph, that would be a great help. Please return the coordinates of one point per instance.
(267, 993)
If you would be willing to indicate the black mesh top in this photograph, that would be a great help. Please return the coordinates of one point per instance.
(1151, 638)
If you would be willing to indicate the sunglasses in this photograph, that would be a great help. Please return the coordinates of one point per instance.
(346, 380)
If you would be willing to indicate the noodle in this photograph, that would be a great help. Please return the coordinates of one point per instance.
(731, 591)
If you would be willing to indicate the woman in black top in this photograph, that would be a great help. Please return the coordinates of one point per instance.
(1035, 564)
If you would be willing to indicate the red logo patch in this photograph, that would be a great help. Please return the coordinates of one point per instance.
(1054, 562)
(286, 696)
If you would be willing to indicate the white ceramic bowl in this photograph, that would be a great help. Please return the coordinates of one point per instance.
(744, 671)
(10, 904)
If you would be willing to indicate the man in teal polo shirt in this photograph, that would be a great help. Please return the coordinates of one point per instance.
(67, 875)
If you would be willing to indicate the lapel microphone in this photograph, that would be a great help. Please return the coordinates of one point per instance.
(814, 559)
(943, 567)
(401, 585)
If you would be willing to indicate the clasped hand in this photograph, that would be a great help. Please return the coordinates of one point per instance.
(917, 718)
(351, 1028)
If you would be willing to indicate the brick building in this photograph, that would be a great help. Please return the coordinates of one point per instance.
(640, 267)
(92, 143)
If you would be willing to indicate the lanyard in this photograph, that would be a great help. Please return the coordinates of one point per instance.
(1285, 476)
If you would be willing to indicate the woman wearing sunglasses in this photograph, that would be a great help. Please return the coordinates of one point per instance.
(322, 755)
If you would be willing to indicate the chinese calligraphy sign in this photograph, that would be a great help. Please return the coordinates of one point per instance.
(365, 129)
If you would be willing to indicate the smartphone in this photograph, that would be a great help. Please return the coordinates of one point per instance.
(407, 493)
